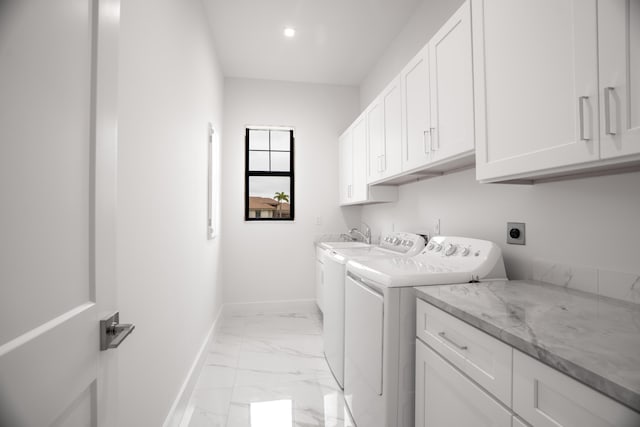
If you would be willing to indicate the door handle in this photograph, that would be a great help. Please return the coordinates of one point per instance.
(581, 102)
(427, 148)
(112, 332)
(607, 111)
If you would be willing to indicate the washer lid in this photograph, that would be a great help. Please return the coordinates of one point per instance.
(445, 260)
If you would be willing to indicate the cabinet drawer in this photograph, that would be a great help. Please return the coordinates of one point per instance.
(483, 358)
(544, 397)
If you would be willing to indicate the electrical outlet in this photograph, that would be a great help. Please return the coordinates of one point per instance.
(436, 227)
(516, 233)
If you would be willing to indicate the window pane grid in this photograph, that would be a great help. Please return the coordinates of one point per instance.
(269, 183)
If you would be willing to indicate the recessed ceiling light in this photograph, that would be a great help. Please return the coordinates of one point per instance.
(289, 32)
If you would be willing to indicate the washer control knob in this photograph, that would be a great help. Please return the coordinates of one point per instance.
(437, 247)
(430, 246)
(450, 249)
(396, 241)
(409, 243)
(464, 251)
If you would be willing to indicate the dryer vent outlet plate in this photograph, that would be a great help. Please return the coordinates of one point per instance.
(515, 233)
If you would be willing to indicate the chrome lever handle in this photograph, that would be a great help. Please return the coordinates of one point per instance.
(452, 342)
(112, 333)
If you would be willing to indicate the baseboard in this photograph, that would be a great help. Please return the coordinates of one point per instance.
(288, 306)
(176, 413)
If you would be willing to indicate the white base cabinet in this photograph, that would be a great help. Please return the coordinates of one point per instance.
(319, 277)
(446, 397)
(545, 397)
(500, 389)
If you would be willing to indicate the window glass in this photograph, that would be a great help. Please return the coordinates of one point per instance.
(269, 181)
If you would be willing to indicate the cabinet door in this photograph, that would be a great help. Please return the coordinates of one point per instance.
(536, 98)
(445, 397)
(359, 160)
(392, 153)
(345, 162)
(619, 52)
(319, 279)
(416, 112)
(375, 126)
(545, 397)
(451, 78)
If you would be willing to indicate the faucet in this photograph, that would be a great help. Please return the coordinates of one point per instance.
(366, 236)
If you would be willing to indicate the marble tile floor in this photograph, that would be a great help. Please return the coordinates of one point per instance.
(267, 370)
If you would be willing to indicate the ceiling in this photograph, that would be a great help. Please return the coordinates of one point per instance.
(336, 41)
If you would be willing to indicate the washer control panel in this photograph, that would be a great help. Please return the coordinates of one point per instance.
(455, 247)
(404, 243)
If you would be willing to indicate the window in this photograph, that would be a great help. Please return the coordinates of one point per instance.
(269, 181)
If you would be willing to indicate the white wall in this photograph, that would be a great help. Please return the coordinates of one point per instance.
(266, 261)
(169, 274)
(588, 221)
(423, 24)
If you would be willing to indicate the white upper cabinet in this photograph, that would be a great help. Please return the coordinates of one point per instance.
(451, 85)
(384, 121)
(416, 112)
(536, 93)
(359, 138)
(619, 55)
(345, 167)
(352, 173)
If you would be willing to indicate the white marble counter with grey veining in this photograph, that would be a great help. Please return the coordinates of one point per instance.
(593, 339)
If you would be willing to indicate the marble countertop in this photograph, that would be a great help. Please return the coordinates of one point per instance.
(593, 339)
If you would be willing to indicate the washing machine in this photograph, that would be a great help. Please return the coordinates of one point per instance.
(395, 244)
(380, 322)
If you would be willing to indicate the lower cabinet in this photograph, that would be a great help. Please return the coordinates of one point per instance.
(545, 397)
(446, 397)
(449, 394)
(319, 278)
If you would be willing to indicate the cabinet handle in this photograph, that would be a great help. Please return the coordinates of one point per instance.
(450, 341)
(607, 110)
(427, 148)
(581, 102)
(431, 140)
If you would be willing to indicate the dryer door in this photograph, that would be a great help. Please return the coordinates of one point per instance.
(364, 340)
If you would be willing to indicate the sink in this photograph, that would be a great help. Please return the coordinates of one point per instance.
(344, 245)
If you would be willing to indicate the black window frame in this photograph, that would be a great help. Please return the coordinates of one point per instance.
(248, 174)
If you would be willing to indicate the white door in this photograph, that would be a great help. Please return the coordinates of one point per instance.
(345, 163)
(619, 59)
(363, 351)
(536, 92)
(392, 152)
(360, 188)
(333, 314)
(451, 78)
(375, 127)
(415, 111)
(445, 397)
(58, 70)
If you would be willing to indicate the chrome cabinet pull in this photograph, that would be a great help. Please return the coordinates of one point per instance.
(581, 101)
(607, 110)
(452, 342)
(427, 148)
(431, 140)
